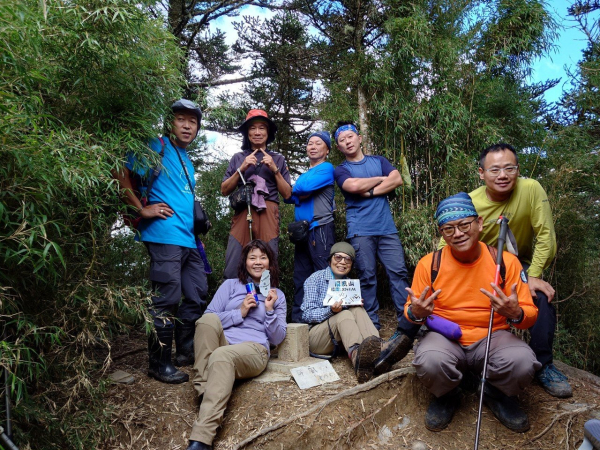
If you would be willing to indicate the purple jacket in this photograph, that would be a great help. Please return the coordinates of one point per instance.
(257, 326)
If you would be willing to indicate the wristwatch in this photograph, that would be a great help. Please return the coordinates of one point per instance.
(516, 321)
(276, 171)
(412, 317)
(371, 192)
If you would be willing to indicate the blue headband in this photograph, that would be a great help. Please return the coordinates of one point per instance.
(455, 207)
(324, 135)
(348, 127)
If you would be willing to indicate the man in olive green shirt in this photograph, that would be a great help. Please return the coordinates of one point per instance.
(525, 203)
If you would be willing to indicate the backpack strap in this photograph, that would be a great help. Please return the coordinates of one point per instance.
(435, 266)
(494, 253)
(156, 171)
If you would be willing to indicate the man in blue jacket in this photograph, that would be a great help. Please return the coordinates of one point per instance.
(167, 230)
(313, 196)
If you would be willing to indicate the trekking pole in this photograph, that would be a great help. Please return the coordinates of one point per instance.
(503, 221)
(249, 201)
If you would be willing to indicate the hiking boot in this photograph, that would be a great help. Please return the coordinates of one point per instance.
(392, 351)
(506, 409)
(197, 445)
(159, 357)
(554, 381)
(184, 343)
(363, 358)
(441, 410)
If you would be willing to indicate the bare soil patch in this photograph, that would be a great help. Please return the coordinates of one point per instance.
(150, 415)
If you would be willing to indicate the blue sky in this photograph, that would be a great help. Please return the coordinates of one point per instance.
(570, 44)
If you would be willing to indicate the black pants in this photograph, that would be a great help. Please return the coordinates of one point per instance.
(309, 257)
(176, 270)
(542, 332)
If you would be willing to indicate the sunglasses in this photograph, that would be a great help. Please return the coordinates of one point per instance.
(339, 258)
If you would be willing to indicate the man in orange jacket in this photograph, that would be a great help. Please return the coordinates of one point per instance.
(463, 291)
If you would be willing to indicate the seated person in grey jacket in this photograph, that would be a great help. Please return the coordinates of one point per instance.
(349, 324)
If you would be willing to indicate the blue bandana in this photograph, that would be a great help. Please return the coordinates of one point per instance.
(455, 207)
(324, 135)
(348, 127)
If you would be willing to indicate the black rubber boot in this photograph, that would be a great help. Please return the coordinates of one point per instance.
(159, 357)
(184, 343)
(197, 445)
(392, 351)
(506, 409)
(441, 410)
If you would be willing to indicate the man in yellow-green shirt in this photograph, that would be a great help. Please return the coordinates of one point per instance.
(525, 203)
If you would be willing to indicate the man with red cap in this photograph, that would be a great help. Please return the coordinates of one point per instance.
(267, 171)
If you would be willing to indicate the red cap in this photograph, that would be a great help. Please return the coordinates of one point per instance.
(253, 113)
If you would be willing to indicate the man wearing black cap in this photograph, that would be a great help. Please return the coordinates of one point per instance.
(268, 171)
(167, 229)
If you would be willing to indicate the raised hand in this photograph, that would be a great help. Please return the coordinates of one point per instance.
(268, 161)
(250, 160)
(270, 300)
(503, 305)
(422, 306)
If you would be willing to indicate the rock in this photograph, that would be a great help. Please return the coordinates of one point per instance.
(419, 445)
(384, 434)
(122, 377)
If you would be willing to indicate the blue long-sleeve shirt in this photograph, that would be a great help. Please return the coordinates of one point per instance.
(318, 183)
(258, 325)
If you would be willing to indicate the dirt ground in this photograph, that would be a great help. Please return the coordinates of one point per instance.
(150, 415)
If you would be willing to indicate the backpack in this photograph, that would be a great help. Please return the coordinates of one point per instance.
(437, 259)
(137, 183)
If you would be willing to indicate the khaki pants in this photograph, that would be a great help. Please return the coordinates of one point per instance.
(351, 326)
(217, 366)
(441, 363)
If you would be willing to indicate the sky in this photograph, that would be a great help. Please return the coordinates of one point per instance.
(569, 46)
(570, 43)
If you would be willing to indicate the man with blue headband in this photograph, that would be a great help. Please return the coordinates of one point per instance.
(366, 181)
(455, 286)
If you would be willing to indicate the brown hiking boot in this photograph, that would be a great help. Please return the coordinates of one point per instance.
(392, 351)
(363, 358)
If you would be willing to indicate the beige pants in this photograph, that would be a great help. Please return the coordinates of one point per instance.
(351, 326)
(217, 366)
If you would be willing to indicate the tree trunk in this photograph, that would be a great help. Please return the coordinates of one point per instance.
(363, 118)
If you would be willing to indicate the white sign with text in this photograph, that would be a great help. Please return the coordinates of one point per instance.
(348, 291)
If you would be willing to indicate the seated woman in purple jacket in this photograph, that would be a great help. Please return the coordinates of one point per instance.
(233, 337)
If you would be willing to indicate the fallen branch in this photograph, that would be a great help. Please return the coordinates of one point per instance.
(347, 393)
(351, 428)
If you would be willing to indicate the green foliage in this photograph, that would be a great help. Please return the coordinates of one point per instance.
(81, 84)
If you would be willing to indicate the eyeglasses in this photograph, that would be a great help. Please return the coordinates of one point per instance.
(449, 230)
(495, 171)
(339, 258)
